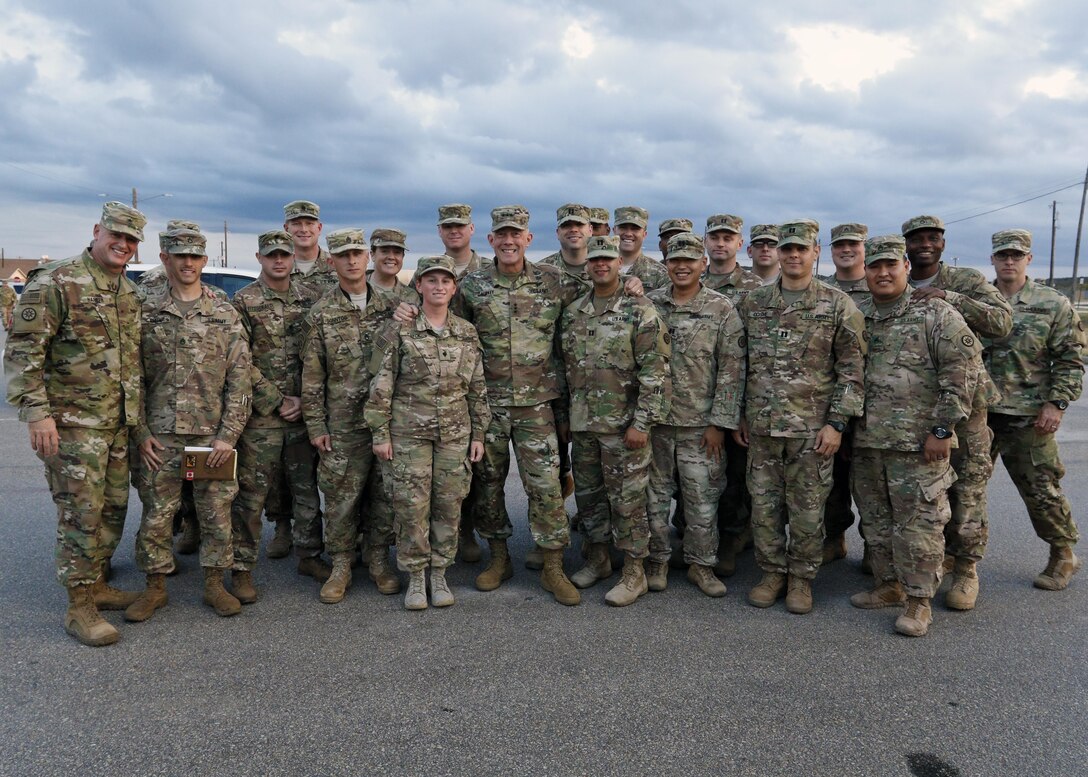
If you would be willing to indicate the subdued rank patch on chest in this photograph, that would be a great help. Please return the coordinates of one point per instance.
(783, 334)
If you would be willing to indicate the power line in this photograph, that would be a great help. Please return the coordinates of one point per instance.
(55, 180)
(1013, 205)
(950, 213)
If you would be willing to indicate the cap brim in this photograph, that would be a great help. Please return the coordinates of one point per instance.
(795, 240)
(350, 247)
(277, 247)
(430, 270)
(187, 250)
(854, 236)
(510, 225)
(462, 222)
(630, 221)
(1011, 247)
(722, 228)
(389, 244)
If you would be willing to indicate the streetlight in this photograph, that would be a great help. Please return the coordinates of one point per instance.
(135, 200)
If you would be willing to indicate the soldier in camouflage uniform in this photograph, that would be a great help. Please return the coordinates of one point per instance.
(387, 250)
(723, 239)
(343, 328)
(667, 229)
(8, 298)
(428, 412)
(762, 242)
(1039, 369)
(196, 393)
(707, 369)
(922, 364)
(515, 306)
(848, 256)
(989, 315)
(302, 221)
(804, 384)
(275, 444)
(598, 221)
(630, 223)
(616, 354)
(73, 365)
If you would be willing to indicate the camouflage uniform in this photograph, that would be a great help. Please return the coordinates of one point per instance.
(429, 399)
(652, 273)
(617, 368)
(707, 371)
(1041, 360)
(271, 449)
(335, 385)
(73, 355)
(921, 370)
(8, 298)
(988, 315)
(734, 285)
(197, 390)
(400, 292)
(322, 276)
(155, 282)
(575, 281)
(805, 365)
(516, 320)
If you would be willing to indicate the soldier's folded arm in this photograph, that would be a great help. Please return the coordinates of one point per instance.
(1066, 346)
(652, 352)
(957, 348)
(848, 399)
(985, 310)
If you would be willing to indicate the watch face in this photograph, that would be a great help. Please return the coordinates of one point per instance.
(1061, 404)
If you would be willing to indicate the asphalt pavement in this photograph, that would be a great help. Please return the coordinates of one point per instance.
(511, 683)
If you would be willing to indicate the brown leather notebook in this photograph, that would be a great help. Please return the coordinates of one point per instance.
(194, 465)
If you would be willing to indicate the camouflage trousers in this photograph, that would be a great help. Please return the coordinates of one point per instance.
(1036, 470)
(531, 431)
(88, 479)
(677, 453)
(735, 503)
(789, 483)
(968, 531)
(355, 500)
(267, 457)
(160, 493)
(611, 485)
(903, 501)
(427, 480)
(838, 510)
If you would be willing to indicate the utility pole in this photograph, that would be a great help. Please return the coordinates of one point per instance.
(1053, 234)
(224, 243)
(1076, 249)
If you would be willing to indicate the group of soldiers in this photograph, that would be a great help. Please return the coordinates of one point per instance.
(764, 402)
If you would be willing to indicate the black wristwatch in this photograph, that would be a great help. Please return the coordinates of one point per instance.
(838, 426)
(1061, 404)
(940, 432)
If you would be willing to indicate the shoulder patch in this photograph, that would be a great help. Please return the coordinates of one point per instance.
(31, 297)
(968, 341)
(29, 314)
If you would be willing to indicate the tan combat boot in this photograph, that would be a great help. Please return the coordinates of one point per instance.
(657, 575)
(468, 549)
(216, 596)
(339, 581)
(84, 623)
(703, 577)
(382, 572)
(189, 542)
(441, 595)
(915, 621)
(498, 569)
(630, 587)
(769, 589)
(281, 542)
(1059, 571)
(241, 585)
(798, 595)
(598, 566)
(964, 589)
(151, 599)
(887, 594)
(554, 580)
(315, 567)
(416, 596)
(534, 559)
(106, 597)
(834, 548)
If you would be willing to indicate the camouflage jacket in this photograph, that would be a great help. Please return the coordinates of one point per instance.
(734, 285)
(707, 362)
(196, 370)
(920, 371)
(805, 361)
(428, 385)
(336, 361)
(8, 298)
(575, 282)
(275, 324)
(401, 292)
(979, 302)
(516, 318)
(650, 271)
(321, 278)
(73, 353)
(617, 364)
(155, 282)
(1043, 357)
(858, 290)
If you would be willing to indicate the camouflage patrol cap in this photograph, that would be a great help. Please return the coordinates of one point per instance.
(1012, 240)
(598, 215)
(301, 209)
(350, 239)
(454, 213)
(922, 222)
(275, 240)
(674, 225)
(885, 247)
(441, 263)
(849, 232)
(603, 245)
(763, 232)
(118, 217)
(632, 214)
(172, 225)
(724, 222)
(572, 211)
(805, 232)
(684, 246)
(185, 241)
(388, 237)
(509, 216)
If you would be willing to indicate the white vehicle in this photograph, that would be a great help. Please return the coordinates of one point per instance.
(229, 279)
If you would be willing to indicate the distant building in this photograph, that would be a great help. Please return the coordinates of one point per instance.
(16, 270)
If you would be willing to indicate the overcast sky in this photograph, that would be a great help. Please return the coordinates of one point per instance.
(380, 111)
